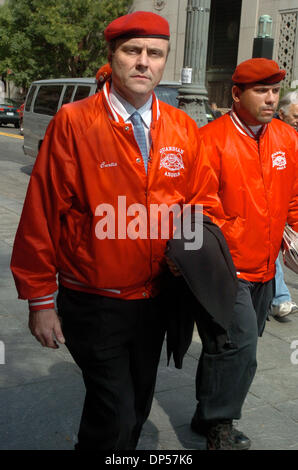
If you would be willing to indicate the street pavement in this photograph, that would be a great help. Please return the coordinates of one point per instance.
(42, 392)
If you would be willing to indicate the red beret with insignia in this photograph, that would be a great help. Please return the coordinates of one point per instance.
(140, 24)
(258, 70)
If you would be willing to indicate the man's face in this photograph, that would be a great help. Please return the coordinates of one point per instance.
(137, 66)
(256, 103)
(291, 116)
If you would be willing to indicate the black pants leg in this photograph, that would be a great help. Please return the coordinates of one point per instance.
(228, 361)
(117, 345)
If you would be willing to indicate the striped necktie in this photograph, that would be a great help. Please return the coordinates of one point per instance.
(139, 134)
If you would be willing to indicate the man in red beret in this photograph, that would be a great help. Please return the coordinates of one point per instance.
(104, 163)
(255, 158)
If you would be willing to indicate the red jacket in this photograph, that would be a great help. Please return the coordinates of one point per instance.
(89, 157)
(258, 188)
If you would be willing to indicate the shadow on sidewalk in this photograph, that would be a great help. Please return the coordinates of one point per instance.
(27, 169)
(43, 414)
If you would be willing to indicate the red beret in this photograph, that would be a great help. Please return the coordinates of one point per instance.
(103, 74)
(141, 24)
(258, 70)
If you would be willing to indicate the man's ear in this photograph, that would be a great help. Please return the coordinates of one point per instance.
(281, 114)
(236, 93)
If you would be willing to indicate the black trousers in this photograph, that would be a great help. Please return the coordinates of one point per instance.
(117, 345)
(228, 360)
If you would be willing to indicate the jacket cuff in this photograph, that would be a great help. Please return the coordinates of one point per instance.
(41, 303)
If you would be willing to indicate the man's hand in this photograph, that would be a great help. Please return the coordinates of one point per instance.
(46, 327)
(173, 268)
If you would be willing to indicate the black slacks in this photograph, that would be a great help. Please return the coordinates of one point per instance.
(117, 345)
(228, 360)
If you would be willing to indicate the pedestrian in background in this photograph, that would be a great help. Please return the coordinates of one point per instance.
(288, 109)
(216, 111)
(102, 75)
(255, 158)
(282, 304)
(119, 143)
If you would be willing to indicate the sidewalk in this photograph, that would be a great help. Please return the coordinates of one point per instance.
(41, 390)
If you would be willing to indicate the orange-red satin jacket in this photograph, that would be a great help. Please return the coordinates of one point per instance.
(89, 162)
(258, 188)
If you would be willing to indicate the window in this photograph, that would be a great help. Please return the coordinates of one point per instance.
(67, 94)
(47, 99)
(224, 34)
(81, 93)
(287, 44)
(29, 98)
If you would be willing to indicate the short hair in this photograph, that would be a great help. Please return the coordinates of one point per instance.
(287, 100)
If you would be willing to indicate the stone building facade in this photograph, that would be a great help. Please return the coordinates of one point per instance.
(233, 26)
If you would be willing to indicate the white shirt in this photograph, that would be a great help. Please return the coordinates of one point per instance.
(125, 109)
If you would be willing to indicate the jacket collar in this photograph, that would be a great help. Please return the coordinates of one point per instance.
(243, 128)
(116, 116)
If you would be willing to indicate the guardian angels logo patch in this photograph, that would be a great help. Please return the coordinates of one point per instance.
(171, 159)
(279, 160)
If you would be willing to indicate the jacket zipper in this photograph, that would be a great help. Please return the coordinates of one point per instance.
(267, 201)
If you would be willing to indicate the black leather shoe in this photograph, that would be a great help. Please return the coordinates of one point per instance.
(221, 434)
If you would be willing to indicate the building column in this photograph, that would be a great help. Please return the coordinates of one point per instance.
(193, 92)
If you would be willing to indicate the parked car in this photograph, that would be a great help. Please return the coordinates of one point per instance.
(43, 100)
(9, 112)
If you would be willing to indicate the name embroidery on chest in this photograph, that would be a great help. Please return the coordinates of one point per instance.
(107, 164)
